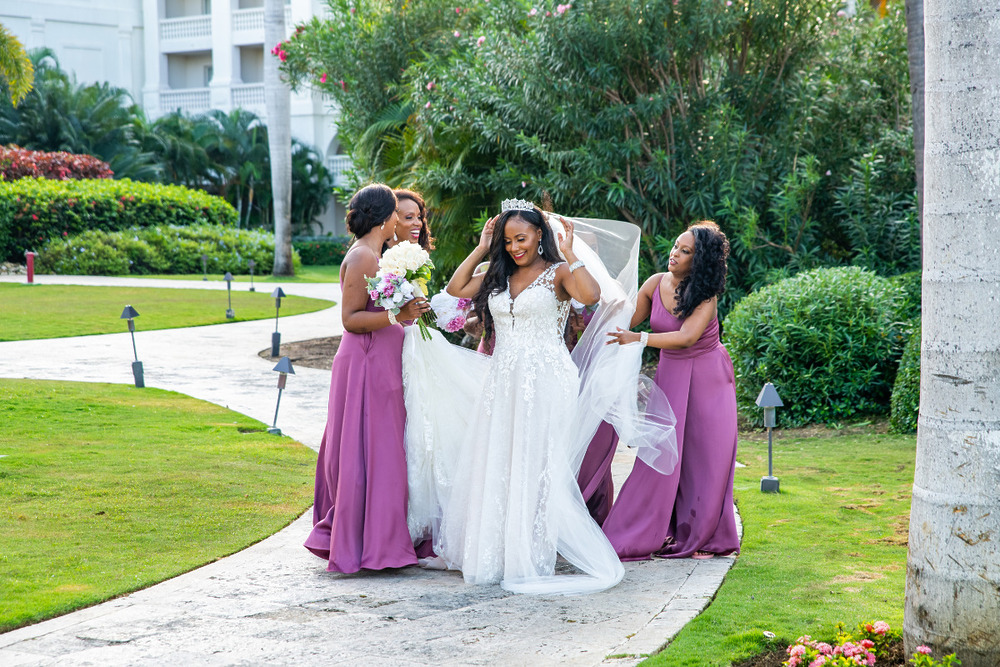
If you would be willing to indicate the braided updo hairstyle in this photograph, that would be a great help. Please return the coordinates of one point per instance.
(708, 268)
(369, 207)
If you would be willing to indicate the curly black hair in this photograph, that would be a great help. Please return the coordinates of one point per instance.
(502, 264)
(708, 268)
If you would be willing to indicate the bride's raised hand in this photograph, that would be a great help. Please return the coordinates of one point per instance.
(565, 238)
(486, 238)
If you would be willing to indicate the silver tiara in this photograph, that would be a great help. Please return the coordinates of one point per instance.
(516, 205)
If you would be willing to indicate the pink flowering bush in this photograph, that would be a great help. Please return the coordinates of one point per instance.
(861, 646)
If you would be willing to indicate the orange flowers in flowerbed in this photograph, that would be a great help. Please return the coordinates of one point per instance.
(17, 163)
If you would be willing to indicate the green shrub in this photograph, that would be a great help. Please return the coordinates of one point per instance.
(169, 249)
(321, 250)
(905, 401)
(33, 211)
(828, 339)
(909, 285)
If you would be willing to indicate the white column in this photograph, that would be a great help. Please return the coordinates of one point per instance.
(155, 62)
(223, 60)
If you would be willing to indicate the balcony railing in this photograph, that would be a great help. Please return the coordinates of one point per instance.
(248, 95)
(252, 20)
(186, 27)
(188, 99)
(339, 165)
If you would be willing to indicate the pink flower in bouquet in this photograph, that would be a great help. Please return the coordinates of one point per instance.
(455, 324)
(464, 304)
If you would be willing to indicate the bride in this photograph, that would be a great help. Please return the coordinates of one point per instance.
(494, 443)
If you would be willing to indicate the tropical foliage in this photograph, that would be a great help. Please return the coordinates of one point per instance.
(34, 210)
(782, 120)
(222, 153)
(165, 249)
(16, 70)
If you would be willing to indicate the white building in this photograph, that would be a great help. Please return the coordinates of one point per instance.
(192, 55)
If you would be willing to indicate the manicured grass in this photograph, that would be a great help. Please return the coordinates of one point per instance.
(304, 274)
(54, 311)
(830, 548)
(106, 489)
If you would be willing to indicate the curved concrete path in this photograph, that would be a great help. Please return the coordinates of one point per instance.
(273, 603)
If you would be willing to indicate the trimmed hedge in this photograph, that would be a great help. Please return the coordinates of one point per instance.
(828, 339)
(169, 249)
(34, 210)
(17, 163)
(905, 401)
(322, 250)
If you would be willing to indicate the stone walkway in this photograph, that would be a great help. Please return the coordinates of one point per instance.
(273, 603)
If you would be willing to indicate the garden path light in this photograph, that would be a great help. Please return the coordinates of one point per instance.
(29, 260)
(276, 337)
(252, 264)
(769, 400)
(130, 313)
(229, 293)
(284, 367)
(204, 266)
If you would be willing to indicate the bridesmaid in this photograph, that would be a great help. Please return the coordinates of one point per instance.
(688, 513)
(359, 516)
(411, 224)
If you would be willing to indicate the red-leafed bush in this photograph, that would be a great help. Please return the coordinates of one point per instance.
(16, 163)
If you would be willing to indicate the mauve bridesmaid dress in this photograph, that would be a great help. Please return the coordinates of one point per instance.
(690, 509)
(359, 516)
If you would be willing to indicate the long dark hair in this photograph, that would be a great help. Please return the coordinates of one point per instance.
(369, 208)
(708, 268)
(502, 264)
(425, 240)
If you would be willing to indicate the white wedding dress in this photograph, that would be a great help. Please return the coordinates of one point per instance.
(494, 444)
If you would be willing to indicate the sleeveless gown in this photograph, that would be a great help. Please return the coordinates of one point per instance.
(690, 509)
(511, 501)
(359, 515)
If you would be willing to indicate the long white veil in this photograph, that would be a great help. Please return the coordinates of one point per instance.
(442, 383)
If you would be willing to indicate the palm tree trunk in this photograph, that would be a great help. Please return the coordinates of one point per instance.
(279, 137)
(915, 53)
(953, 567)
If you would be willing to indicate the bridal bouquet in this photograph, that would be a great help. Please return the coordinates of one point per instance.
(451, 312)
(402, 275)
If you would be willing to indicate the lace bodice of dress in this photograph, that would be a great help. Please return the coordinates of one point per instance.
(528, 332)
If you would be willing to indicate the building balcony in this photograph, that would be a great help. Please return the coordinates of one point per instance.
(248, 25)
(339, 165)
(249, 96)
(186, 33)
(188, 99)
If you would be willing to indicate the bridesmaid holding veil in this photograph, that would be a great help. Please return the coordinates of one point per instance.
(688, 513)
(359, 516)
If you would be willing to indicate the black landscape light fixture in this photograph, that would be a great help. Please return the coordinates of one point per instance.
(769, 400)
(229, 294)
(204, 266)
(276, 337)
(284, 367)
(252, 264)
(130, 313)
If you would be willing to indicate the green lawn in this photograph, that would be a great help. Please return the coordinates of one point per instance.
(830, 548)
(304, 274)
(55, 311)
(106, 489)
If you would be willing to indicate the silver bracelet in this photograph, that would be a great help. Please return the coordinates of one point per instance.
(392, 317)
(644, 338)
(575, 265)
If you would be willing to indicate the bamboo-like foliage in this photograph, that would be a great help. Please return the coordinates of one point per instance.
(16, 69)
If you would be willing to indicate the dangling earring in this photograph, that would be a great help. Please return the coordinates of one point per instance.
(539, 247)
